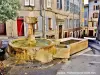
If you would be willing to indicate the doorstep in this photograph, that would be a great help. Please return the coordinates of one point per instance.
(3, 37)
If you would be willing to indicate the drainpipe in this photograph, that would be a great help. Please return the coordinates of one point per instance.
(79, 18)
(73, 19)
(42, 14)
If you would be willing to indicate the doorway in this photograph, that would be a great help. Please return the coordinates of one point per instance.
(60, 31)
(90, 33)
(2, 28)
(65, 34)
(20, 26)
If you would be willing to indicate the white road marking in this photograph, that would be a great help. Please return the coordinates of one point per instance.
(91, 55)
(95, 62)
(82, 52)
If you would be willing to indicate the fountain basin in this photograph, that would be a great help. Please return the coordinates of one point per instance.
(75, 44)
(63, 51)
(22, 52)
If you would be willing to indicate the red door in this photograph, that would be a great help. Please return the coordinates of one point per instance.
(20, 27)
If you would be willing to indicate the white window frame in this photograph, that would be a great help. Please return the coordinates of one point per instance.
(49, 3)
(35, 26)
(32, 2)
(59, 5)
(29, 2)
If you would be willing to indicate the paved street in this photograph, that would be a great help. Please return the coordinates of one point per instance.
(84, 64)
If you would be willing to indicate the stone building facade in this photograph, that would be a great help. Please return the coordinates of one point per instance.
(62, 18)
(94, 6)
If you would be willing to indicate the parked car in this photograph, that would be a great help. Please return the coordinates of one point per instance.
(3, 46)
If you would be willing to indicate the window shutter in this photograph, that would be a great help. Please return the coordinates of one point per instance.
(54, 23)
(46, 22)
(26, 28)
(32, 2)
(74, 23)
(60, 4)
(35, 26)
(26, 3)
(65, 5)
(57, 4)
(49, 3)
(66, 23)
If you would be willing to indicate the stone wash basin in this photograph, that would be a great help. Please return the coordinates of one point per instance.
(75, 44)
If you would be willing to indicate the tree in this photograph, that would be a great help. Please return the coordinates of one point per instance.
(8, 9)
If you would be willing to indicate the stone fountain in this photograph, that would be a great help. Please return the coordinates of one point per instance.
(34, 56)
(31, 49)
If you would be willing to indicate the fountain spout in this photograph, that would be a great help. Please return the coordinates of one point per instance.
(31, 37)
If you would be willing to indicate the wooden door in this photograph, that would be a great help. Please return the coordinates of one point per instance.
(65, 34)
(90, 33)
(20, 27)
(60, 31)
(2, 29)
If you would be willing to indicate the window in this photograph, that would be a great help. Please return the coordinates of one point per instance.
(71, 23)
(66, 24)
(94, 7)
(49, 3)
(59, 4)
(76, 9)
(32, 3)
(97, 7)
(95, 15)
(71, 7)
(85, 15)
(66, 4)
(29, 2)
(95, 24)
(85, 22)
(77, 22)
(49, 22)
(95, 1)
(36, 26)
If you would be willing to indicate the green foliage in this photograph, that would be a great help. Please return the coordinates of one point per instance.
(8, 9)
(95, 30)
